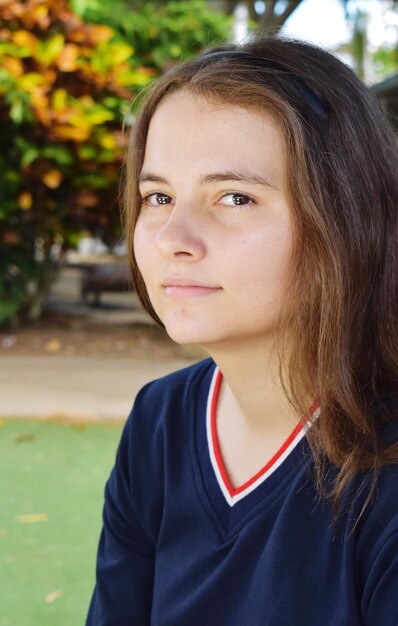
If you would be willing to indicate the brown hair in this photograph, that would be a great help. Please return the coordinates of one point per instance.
(339, 338)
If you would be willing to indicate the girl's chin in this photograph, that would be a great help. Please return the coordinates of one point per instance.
(184, 339)
(186, 336)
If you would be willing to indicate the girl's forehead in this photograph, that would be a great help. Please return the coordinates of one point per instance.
(188, 132)
(183, 118)
(195, 138)
(184, 100)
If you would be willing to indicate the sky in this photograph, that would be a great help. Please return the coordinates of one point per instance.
(323, 22)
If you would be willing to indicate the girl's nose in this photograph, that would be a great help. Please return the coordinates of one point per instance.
(180, 238)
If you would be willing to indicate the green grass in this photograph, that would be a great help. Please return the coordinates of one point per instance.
(58, 470)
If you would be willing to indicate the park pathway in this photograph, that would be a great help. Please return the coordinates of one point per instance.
(76, 388)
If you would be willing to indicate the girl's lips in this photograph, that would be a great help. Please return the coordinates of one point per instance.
(186, 287)
(188, 291)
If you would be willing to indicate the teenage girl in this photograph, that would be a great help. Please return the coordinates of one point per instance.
(260, 486)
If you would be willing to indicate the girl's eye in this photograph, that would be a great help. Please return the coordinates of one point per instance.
(237, 199)
(156, 199)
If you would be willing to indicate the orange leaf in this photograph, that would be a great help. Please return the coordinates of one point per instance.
(25, 200)
(52, 179)
(98, 33)
(87, 199)
(42, 111)
(71, 133)
(13, 65)
(10, 237)
(40, 15)
(67, 61)
(32, 518)
(52, 346)
(5, 34)
(53, 596)
(24, 38)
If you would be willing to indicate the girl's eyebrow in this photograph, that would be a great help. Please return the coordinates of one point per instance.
(242, 177)
(151, 178)
(216, 177)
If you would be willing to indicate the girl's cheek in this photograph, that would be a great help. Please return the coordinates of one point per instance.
(144, 232)
(141, 248)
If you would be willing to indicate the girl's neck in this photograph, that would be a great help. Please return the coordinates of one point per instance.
(254, 418)
(251, 389)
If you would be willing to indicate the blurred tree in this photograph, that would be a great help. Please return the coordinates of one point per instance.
(161, 31)
(386, 61)
(268, 15)
(359, 43)
(352, 6)
(64, 87)
(369, 64)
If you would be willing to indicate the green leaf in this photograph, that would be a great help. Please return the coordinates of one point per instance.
(29, 156)
(87, 152)
(96, 181)
(60, 154)
(79, 6)
(106, 156)
(99, 116)
(51, 49)
(17, 111)
(8, 309)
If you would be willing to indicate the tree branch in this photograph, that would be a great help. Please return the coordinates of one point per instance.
(292, 6)
(270, 22)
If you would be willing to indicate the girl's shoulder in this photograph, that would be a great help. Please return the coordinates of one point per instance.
(170, 397)
(155, 434)
(178, 386)
(185, 376)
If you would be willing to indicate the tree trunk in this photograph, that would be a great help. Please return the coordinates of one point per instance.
(270, 23)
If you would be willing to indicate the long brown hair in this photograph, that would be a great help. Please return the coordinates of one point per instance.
(338, 334)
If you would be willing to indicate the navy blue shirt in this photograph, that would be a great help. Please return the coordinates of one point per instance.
(180, 547)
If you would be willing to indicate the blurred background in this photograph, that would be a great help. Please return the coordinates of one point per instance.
(75, 344)
(69, 74)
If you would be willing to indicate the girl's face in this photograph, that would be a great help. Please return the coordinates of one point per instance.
(214, 237)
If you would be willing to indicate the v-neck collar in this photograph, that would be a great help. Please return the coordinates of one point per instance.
(234, 505)
(234, 494)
